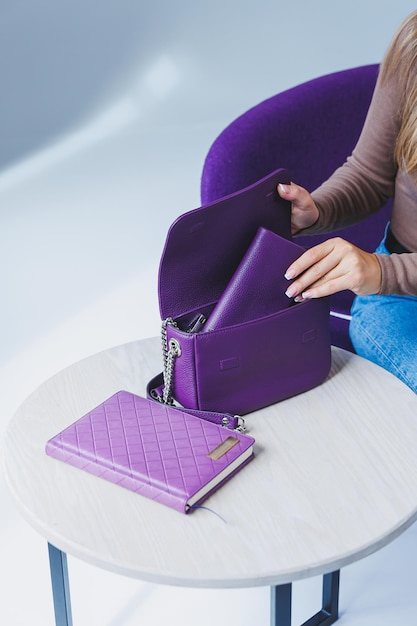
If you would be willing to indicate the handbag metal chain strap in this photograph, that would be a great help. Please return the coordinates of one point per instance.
(170, 353)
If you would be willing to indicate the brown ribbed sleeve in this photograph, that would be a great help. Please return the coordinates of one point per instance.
(363, 184)
(367, 179)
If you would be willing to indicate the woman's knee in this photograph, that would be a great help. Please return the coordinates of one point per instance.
(384, 350)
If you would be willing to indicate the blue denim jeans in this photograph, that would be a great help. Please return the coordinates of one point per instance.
(383, 329)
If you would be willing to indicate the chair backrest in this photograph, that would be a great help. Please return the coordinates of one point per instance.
(310, 130)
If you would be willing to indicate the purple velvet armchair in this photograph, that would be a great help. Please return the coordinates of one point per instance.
(309, 130)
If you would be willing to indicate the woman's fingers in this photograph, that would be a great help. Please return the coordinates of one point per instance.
(332, 266)
(304, 212)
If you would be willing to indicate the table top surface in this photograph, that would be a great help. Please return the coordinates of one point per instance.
(334, 479)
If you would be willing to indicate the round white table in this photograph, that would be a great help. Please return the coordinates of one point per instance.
(333, 480)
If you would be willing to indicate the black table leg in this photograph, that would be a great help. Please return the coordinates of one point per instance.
(329, 613)
(60, 586)
(281, 605)
(281, 596)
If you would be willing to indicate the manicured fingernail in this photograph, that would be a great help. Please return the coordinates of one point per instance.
(289, 274)
(284, 188)
(306, 295)
(299, 298)
(291, 291)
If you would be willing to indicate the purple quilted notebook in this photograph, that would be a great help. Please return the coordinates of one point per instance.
(153, 449)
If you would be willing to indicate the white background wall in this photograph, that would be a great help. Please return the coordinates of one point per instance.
(107, 109)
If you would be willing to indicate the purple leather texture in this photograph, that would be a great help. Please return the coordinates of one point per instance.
(252, 364)
(150, 448)
(243, 368)
(205, 246)
(310, 129)
(258, 286)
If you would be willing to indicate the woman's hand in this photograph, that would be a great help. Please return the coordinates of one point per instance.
(331, 266)
(304, 212)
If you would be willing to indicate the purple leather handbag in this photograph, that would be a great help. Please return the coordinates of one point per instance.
(260, 360)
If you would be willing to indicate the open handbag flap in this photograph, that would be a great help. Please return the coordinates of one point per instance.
(204, 246)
